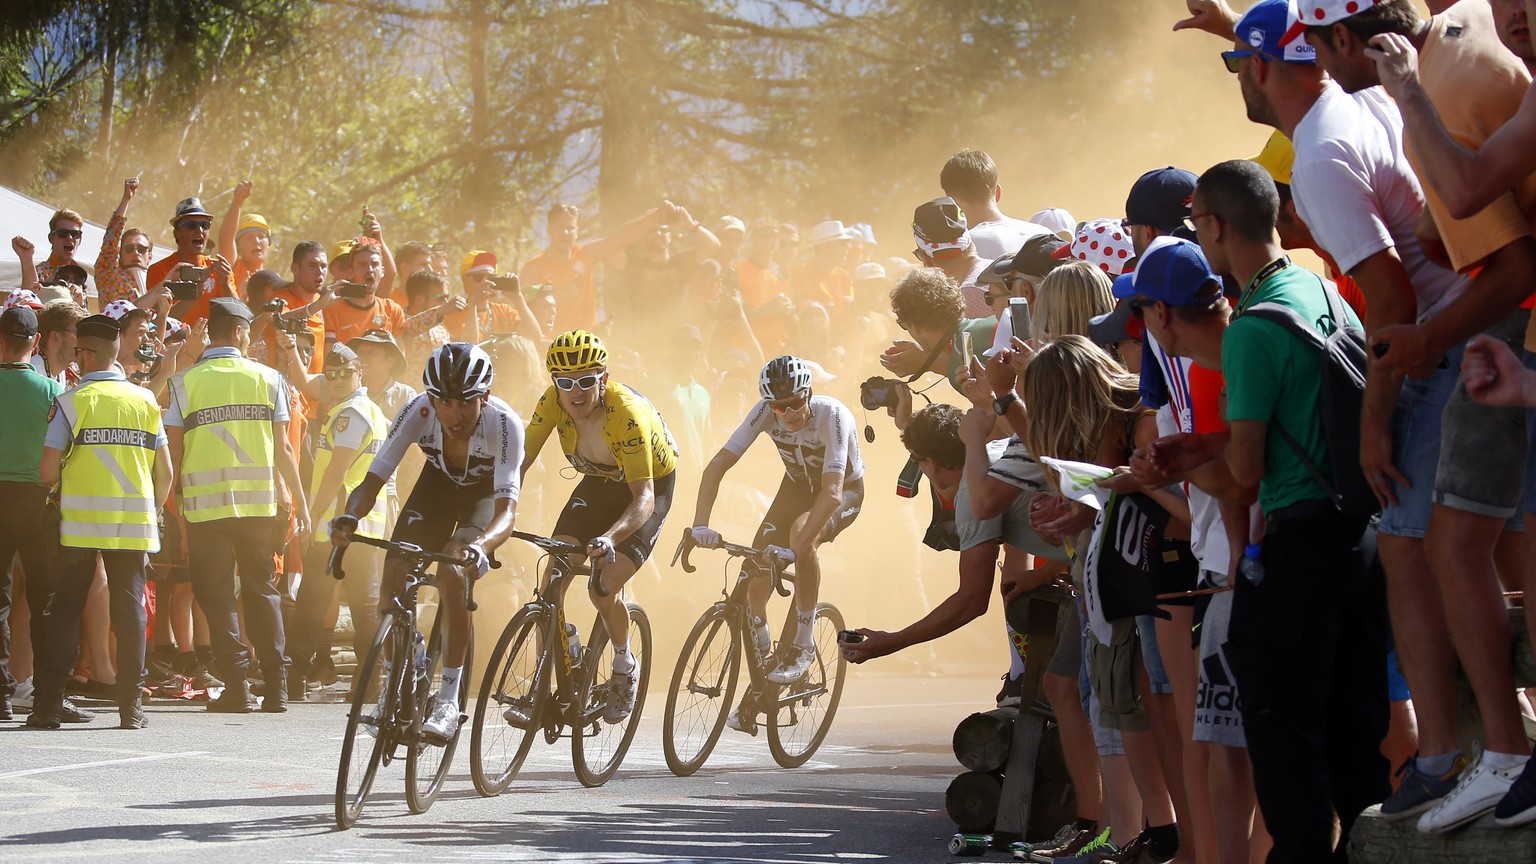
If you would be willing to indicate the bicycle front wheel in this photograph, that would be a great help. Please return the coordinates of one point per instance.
(370, 726)
(427, 767)
(597, 745)
(805, 708)
(703, 689)
(512, 697)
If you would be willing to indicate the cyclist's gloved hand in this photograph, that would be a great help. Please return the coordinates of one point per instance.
(705, 537)
(780, 554)
(601, 548)
(474, 556)
(344, 525)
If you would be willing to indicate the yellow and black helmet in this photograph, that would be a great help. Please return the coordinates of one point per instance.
(575, 350)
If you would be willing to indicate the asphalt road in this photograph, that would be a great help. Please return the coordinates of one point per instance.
(202, 787)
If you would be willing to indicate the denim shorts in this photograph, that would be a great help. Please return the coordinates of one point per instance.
(1416, 448)
(1152, 657)
(1480, 443)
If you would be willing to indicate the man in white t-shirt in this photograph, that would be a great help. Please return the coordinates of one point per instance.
(1355, 190)
(970, 177)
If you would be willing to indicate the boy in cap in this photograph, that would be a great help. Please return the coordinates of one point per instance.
(108, 509)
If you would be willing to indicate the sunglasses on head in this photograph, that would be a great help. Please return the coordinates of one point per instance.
(585, 382)
(67, 233)
(789, 406)
(196, 224)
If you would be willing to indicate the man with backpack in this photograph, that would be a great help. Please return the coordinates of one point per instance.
(1308, 636)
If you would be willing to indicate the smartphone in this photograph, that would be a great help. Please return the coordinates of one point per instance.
(195, 274)
(351, 290)
(507, 283)
(850, 637)
(967, 348)
(362, 222)
(1019, 317)
(184, 291)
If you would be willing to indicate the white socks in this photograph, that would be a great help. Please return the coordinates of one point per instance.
(449, 691)
(623, 660)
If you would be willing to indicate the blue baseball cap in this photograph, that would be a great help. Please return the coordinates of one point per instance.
(1174, 271)
(1267, 29)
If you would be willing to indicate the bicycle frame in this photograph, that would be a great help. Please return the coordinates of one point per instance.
(549, 599)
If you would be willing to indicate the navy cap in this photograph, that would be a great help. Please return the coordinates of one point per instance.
(1174, 271)
(19, 321)
(99, 327)
(228, 307)
(1160, 198)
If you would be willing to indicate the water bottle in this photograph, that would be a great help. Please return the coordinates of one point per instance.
(419, 655)
(1252, 565)
(762, 640)
(573, 643)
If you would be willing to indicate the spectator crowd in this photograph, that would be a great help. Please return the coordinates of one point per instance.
(1279, 510)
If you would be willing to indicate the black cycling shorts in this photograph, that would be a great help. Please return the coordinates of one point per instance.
(794, 500)
(439, 510)
(598, 502)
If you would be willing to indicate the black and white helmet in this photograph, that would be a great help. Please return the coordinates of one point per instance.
(458, 370)
(784, 377)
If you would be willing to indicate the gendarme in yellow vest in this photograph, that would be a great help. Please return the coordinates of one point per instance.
(378, 428)
(107, 484)
(227, 408)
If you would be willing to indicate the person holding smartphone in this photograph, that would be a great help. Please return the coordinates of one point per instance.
(360, 309)
(497, 303)
(191, 226)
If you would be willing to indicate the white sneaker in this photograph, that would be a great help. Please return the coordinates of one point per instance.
(794, 667)
(443, 723)
(1478, 793)
(21, 700)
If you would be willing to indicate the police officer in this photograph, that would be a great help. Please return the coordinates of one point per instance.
(28, 396)
(107, 451)
(350, 436)
(227, 424)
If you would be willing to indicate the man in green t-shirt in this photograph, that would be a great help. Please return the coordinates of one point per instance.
(1308, 642)
(28, 399)
(928, 305)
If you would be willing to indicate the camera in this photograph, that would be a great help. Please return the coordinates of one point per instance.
(291, 326)
(273, 306)
(145, 353)
(196, 274)
(505, 283)
(351, 290)
(184, 291)
(877, 393)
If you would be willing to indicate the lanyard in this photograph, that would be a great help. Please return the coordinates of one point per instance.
(1259, 278)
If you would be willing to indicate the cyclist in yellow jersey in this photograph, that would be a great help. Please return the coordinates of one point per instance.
(618, 441)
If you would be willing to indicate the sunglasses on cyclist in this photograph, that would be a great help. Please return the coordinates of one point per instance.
(788, 407)
(585, 382)
(67, 234)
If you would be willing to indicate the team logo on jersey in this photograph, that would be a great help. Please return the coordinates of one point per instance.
(577, 502)
(425, 411)
(53, 410)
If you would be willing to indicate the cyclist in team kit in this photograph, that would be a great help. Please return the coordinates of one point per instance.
(618, 441)
(464, 503)
(822, 491)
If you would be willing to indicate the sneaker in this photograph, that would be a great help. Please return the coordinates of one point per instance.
(323, 670)
(1012, 693)
(1021, 850)
(443, 723)
(1518, 806)
(793, 667)
(204, 681)
(1077, 843)
(1102, 850)
(21, 700)
(69, 712)
(623, 687)
(1478, 792)
(1418, 791)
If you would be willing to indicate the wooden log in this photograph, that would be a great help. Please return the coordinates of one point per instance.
(982, 740)
(1374, 840)
(971, 801)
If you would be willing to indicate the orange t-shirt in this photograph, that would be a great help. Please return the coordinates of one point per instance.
(343, 321)
(575, 293)
(828, 287)
(757, 284)
(211, 287)
(500, 318)
(295, 300)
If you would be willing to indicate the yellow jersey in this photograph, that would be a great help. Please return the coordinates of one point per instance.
(637, 437)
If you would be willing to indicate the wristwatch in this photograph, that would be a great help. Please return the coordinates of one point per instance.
(1002, 403)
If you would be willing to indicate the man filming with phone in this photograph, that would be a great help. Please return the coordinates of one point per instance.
(496, 302)
(360, 309)
(192, 277)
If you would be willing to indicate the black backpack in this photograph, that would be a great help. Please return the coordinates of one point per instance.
(1341, 397)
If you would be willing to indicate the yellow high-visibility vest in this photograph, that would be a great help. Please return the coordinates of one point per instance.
(227, 405)
(107, 484)
(372, 524)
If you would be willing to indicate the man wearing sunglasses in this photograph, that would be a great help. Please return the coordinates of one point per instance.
(190, 226)
(821, 494)
(621, 445)
(64, 232)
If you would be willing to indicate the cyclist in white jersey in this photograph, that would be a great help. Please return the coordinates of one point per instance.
(822, 491)
(464, 503)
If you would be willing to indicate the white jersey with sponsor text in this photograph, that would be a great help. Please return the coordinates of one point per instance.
(827, 442)
(495, 448)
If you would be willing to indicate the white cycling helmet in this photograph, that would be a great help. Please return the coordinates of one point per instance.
(458, 370)
(784, 377)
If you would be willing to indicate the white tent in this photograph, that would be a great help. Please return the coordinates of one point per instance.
(24, 216)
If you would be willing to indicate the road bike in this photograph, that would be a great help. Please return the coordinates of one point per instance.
(541, 680)
(704, 683)
(394, 688)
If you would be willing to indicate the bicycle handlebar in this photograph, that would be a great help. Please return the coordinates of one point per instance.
(760, 557)
(410, 552)
(562, 548)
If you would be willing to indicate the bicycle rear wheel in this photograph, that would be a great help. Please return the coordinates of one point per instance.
(703, 688)
(370, 727)
(427, 767)
(598, 747)
(805, 708)
(512, 698)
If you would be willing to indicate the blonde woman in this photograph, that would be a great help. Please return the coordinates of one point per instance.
(1068, 298)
